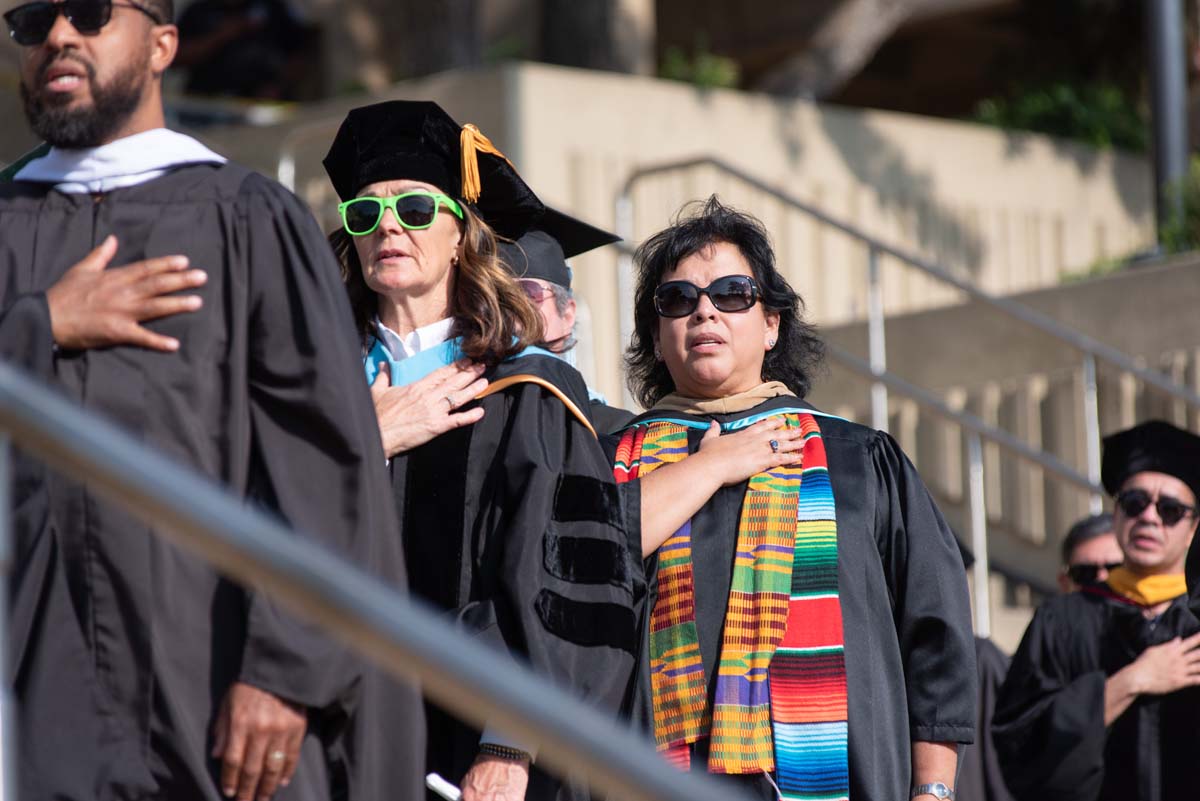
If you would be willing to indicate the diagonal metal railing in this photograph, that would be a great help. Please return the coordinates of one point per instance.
(1092, 350)
(403, 636)
(976, 431)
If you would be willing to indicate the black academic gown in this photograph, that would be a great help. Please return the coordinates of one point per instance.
(515, 527)
(608, 419)
(123, 645)
(980, 777)
(1049, 725)
(910, 656)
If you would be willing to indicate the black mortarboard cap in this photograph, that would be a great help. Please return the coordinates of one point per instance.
(1156, 446)
(417, 140)
(542, 252)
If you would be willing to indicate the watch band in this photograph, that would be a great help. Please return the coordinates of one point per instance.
(504, 752)
(936, 789)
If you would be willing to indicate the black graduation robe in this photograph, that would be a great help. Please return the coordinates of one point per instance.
(980, 777)
(1049, 725)
(123, 646)
(909, 651)
(516, 528)
(608, 419)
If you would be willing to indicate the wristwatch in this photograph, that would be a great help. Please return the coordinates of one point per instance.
(504, 752)
(937, 790)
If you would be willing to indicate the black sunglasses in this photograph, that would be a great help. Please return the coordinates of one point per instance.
(1170, 510)
(31, 23)
(729, 293)
(1084, 573)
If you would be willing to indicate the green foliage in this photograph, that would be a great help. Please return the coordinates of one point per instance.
(1099, 114)
(1183, 232)
(701, 68)
(1097, 269)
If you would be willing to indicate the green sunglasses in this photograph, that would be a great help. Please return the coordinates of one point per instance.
(415, 211)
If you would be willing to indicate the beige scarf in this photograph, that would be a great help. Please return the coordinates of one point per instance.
(731, 404)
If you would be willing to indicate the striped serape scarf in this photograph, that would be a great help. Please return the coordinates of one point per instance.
(780, 702)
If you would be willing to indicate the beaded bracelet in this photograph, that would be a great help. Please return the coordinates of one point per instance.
(504, 752)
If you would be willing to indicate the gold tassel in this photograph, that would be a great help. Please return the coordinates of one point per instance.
(471, 141)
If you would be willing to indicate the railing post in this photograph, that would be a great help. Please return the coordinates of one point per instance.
(285, 172)
(1091, 422)
(624, 224)
(978, 512)
(8, 734)
(876, 346)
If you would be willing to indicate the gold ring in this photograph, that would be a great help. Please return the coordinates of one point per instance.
(450, 401)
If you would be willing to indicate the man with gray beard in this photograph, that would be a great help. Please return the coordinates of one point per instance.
(195, 304)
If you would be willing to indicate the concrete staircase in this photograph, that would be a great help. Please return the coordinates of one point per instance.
(1018, 380)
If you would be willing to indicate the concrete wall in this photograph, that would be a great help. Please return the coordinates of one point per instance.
(1010, 212)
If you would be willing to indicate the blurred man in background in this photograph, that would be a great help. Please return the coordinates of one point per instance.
(1089, 552)
(539, 260)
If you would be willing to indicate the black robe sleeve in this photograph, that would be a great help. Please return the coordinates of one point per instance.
(566, 568)
(980, 777)
(313, 428)
(924, 573)
(1049, 723)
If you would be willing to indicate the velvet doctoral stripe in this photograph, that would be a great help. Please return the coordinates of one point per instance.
(780, 702)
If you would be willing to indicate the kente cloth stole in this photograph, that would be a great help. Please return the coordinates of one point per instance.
(781, 679)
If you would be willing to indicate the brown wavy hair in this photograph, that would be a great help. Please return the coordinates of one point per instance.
(492, 314)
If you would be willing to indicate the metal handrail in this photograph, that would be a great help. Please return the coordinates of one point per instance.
(965, 420)
(285, 166)
(1091, 348)
(976, 430)
(398, 633)
(1012, 308)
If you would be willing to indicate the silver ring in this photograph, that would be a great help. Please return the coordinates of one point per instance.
(276, 756)
(774, 445)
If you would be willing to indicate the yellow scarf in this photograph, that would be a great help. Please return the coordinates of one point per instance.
(1148, 590)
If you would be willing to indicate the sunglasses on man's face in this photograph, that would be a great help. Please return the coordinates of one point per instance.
(30, 24)
(415, 211)
(535, 291)
(1170, 510)
(729, 293)
(1084, 573)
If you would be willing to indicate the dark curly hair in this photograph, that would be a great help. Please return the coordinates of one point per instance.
(798, 353)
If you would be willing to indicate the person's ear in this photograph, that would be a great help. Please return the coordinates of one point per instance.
(568, 314)
(1064, 582)
(772, 330)
(164, 46)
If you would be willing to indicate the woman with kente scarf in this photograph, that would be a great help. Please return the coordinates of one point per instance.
(512, 524)
(807, 631)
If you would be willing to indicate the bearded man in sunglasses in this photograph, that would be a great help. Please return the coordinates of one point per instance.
(195, 304)
(1103, 696)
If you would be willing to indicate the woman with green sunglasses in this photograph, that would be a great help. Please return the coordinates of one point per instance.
(510, 518)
